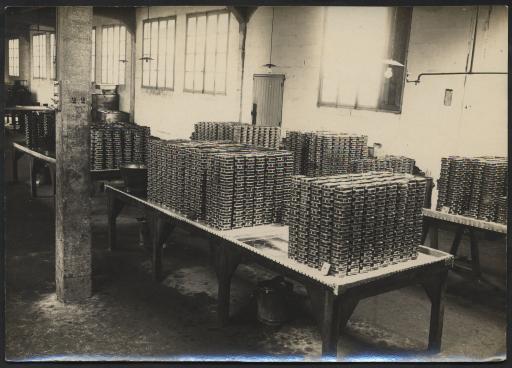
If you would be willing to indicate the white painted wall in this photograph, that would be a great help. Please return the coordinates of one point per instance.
(172, 114)
(475, 123)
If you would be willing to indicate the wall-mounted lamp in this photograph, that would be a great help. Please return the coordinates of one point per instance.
(389, 70)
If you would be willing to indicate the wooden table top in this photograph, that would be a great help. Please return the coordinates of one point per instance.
(271, 241)
(463, 220)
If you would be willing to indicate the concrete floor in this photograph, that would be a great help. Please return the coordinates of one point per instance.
(129, 317)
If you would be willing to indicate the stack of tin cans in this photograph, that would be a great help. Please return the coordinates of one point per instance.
(39, 130)
(114, 144)
(325, 153)
(227, 185)
(398, 164)
(263, 136)
(474, 187)
(355, 222)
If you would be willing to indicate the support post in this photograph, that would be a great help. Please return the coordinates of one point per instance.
(73, 202)
(114, 207)
(33, 178)
(434, 236)
(435, 288)
(475, 254)
(226, 261)
(162, 228)
(456, 241)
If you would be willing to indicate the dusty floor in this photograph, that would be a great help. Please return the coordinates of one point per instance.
(131, 317)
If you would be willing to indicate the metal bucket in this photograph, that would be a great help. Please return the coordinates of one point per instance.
(135, 178)
(272, 299)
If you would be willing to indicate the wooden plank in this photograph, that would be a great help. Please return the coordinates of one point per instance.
(270, 242)
(464, 220)
(33, 153)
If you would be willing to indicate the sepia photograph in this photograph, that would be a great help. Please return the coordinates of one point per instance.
(255, 183)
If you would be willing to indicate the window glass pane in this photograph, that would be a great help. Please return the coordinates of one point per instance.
(115, 58)
(122, 54)
(162, 52)
(93, 55)
(220, 82)
(154, 54)
(358, 76)
(43, 64)
(104, 56)
(189, 81)
(169, 74)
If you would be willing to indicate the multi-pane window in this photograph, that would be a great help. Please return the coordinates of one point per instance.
(207, 52)
(53, 56)
(364, 56)
(158, 53)
(93, 55)
(39, 56)
(14, 57)
(113, 54)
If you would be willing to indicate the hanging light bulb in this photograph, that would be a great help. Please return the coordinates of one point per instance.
(388, 73)
(269, 65)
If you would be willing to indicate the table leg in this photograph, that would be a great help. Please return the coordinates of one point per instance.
(435, 289)
(434, 236)
(426, 226)
(15, 157)
(114, 207)
(475, 256)
(162, 228)
(33, 176)
(52, 177)
(332, 313)
(456, 242)
(226, 261)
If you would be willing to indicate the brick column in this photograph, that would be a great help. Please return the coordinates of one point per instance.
(73, 202)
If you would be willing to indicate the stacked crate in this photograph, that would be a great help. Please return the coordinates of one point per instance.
(114, 144)
(355, 222)
(263, 136)
(325, 153)
(398, 164)
(226, 185)
(474, 187)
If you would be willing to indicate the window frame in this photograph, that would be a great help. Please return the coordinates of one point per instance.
(206, 13)
(38, 34)
(93, 54)
(53, 56)
(12, 58)
(393, 33)
(150, 20)
(103, 28)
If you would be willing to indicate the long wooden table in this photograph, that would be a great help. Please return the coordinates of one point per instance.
(20, 149)
(333, 298)
(433, 220)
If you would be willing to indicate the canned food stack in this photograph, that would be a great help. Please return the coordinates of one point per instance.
(113, 144)
(258, 135)
(325, 153)
(355, 222)
(39, 130)
(398, 164)
(227, 185)
(474, 187)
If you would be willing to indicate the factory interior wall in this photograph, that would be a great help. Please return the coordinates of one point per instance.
(426, 130)
(173, 113)
(109, 16)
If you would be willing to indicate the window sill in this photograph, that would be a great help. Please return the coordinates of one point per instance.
(205, 93)
(351, 109)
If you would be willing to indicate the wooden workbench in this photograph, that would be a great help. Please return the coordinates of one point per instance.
(20, 149)
(433, 220)
(333, 298)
